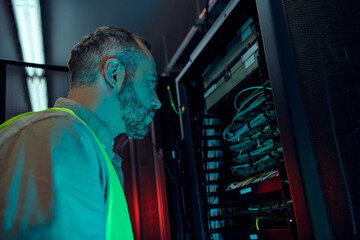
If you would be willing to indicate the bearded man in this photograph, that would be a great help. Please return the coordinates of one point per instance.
(57, 179)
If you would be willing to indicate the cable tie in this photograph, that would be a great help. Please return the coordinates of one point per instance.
(258, 143)
(263, 130)
(266, 116)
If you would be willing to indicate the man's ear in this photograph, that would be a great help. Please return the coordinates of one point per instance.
(113, 72)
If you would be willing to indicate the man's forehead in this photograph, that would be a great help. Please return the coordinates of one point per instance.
(148, 65)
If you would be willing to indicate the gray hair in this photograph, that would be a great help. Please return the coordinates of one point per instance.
(89, 55)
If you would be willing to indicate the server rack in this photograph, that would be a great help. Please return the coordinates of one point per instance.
(224, 205)
(238, 62)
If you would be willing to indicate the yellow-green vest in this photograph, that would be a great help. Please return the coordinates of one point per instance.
(118, 224)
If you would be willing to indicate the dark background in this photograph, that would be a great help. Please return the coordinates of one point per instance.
(164, 23)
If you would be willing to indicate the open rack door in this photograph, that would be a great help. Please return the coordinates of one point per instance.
(313, 58)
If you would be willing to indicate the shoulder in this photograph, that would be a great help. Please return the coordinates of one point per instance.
(43, 125)
(55, 134)
(52, 137)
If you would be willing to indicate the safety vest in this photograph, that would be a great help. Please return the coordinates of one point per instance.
(118, 224)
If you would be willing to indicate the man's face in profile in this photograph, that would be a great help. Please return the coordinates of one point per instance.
(138, 101)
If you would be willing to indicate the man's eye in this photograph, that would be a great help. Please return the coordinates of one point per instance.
(152, 82)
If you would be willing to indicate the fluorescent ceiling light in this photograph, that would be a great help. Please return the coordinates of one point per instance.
(37, 87)
(28, 22)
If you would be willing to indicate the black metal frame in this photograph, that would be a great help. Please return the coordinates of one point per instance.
(310, 208)
(34, 65)
(3, 65)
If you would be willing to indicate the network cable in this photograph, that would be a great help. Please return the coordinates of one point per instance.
(182, 110)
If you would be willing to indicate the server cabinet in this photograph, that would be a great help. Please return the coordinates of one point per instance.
(268, 143)
(236, 187)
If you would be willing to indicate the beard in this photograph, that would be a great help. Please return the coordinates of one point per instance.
(133, 112)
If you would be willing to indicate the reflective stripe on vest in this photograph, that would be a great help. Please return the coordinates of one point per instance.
(118, 224)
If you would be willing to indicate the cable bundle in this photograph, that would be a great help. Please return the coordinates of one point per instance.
(252, 133)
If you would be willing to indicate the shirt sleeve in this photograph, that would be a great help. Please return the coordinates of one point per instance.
(53, 182)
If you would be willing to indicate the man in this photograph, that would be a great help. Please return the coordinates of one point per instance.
(56, 176)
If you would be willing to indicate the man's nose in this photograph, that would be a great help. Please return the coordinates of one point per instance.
(156, 102)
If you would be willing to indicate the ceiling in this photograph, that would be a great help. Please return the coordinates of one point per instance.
(65, 22)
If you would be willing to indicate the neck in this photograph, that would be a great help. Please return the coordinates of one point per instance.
(102, 104)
